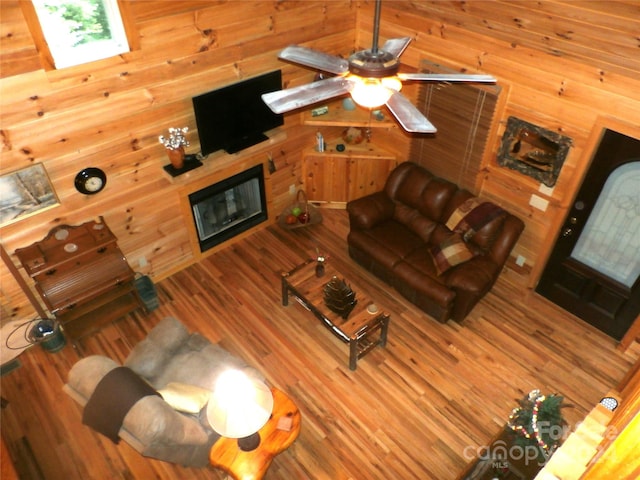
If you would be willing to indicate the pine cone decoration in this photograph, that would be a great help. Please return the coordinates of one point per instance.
(339, 297)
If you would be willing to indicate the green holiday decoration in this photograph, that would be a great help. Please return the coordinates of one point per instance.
(538, 422)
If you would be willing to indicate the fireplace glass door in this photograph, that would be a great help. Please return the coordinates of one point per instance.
(230, 207)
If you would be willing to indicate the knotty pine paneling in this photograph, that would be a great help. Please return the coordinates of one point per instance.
(570, 67)
(599, 33)
(18, 54)
(109, 113)
(566, 66)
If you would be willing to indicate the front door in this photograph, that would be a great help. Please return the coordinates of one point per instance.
(594, 268)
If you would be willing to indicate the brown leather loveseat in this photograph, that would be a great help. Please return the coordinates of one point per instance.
(436, 244)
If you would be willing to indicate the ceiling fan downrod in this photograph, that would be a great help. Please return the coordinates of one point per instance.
(376, 27)
(374, 63)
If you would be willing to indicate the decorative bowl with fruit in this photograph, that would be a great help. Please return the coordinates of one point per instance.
(299, 214)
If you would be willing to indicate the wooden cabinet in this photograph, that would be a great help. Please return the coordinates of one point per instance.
(335, 177)
(82, 276)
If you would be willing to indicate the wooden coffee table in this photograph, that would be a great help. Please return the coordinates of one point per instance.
(276, 435)
(362, 330)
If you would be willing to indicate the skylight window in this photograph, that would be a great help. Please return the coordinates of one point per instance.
(81, 31)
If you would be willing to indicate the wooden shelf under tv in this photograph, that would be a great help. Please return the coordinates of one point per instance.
(220, 161)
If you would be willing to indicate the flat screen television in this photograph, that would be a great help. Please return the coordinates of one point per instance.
(234, 117)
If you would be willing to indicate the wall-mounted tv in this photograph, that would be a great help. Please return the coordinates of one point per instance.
(234, 117)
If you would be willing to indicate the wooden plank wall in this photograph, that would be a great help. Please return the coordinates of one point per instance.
(571, 67)
(109, 114)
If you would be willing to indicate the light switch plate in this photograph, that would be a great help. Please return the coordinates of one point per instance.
(543, 189)
(538, 202)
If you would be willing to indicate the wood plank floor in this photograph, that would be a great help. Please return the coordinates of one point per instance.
(414, 410)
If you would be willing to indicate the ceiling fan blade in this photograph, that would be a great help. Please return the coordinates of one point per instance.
(296, 97)
(409, 117)
(447, 77)
(395, 46)
(314, 59)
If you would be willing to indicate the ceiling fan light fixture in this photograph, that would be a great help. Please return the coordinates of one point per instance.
(370, 92)
(393, 83)
(371, 77)
(366, 63)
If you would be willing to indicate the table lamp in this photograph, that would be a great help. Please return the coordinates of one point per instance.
(238, 407)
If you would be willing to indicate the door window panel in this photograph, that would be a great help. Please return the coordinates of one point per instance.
(610, 241)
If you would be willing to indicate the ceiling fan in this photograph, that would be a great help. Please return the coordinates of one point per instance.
(370, 76)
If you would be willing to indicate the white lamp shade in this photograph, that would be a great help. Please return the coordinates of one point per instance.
(239, 406)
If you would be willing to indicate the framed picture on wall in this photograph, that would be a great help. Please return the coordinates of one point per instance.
(533, 150)
(24, 193)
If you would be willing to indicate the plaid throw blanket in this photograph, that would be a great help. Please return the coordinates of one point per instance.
(471, 216)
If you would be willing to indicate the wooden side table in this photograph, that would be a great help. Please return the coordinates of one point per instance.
(276, 435)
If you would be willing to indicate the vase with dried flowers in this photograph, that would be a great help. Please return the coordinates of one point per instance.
(175, 144)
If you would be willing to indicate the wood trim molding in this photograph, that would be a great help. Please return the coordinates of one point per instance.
(31, 17)
(601, 123)
(129, 23)
(632, 335)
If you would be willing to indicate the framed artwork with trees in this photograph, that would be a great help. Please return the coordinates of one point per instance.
(24, 193)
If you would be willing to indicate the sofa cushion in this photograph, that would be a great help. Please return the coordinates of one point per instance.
(419, 189)
(476, 278)
(184, 397)
(411, 218)
(435, 198)
(376, 209)
(449, 253)
(152, 421)
(486, 236)
(387, 243)
(146, 359)
(168, 334)
(417, 273)
(200, 368)
(86, 374)
(150, 355)
(115, 394)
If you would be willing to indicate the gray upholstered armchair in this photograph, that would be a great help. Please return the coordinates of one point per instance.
(168, 355)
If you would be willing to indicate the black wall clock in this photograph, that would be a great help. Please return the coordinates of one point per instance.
(90, 180)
